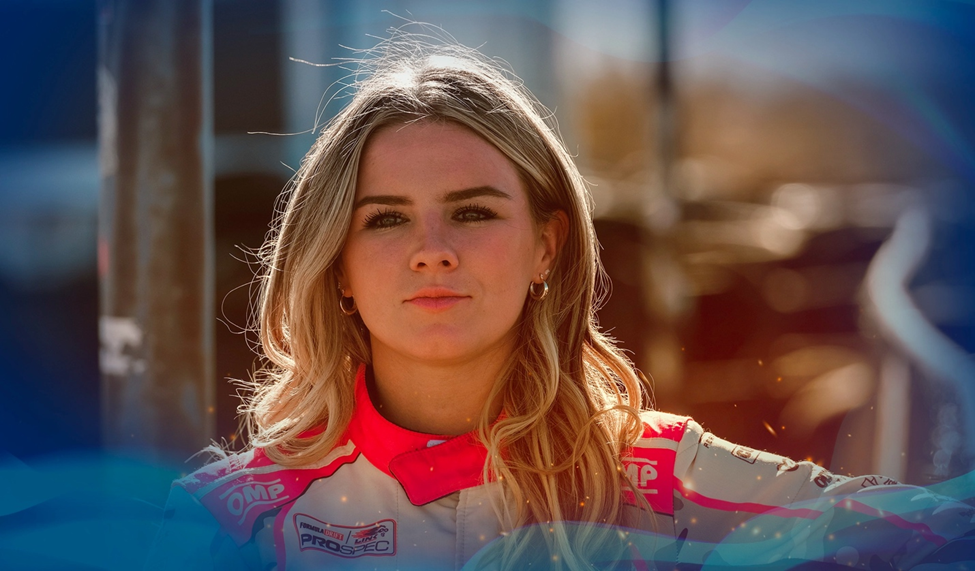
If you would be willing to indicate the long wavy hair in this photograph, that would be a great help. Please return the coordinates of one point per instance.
(571, 398)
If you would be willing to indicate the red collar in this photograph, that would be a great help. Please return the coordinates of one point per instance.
(427, 470)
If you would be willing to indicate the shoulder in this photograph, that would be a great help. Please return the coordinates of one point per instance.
(663, 431)
(649, 463)
(255, 466)
(238, 489)
(657, 424)
(229, 467)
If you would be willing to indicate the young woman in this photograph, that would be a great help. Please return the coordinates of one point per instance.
(437, 392)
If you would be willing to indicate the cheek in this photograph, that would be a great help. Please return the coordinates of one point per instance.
(362, 261)
(510, 261)
(516, 249)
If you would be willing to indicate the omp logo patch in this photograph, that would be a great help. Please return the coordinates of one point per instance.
(243, 497)
(652, 472)
(643, 473)
(346, 541)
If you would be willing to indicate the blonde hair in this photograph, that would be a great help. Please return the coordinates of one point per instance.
(571, 398)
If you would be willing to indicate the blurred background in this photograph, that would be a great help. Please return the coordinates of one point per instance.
(783, 193)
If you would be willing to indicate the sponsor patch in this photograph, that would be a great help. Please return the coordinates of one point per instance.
(243, 497)
(745, 453)
(376, 539)
(787, 465)
(824, 478)
(870, 481)
(643, 474)
(652, 472)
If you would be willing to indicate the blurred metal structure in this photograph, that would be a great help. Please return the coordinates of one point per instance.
(911, 334)
(155, 226)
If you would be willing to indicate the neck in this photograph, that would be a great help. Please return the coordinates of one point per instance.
(435, 398)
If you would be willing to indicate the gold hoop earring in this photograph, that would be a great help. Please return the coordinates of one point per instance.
(538, 296)
(347, 310)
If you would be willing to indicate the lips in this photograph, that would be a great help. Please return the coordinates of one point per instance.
(436, 298)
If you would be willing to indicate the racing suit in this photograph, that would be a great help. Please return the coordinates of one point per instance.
(387, 497)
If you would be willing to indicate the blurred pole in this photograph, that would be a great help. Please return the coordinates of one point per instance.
(156, 226)
(662, 266)
(663, 211)
(666, 122)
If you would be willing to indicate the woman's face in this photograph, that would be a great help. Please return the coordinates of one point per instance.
(442, 246)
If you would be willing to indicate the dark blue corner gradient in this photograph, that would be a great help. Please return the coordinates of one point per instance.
(48, 71)
(79, 511)
(48, 327)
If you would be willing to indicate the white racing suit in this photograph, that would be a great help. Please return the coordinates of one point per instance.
(389, 498)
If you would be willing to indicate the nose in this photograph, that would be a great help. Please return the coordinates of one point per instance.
(434, 249)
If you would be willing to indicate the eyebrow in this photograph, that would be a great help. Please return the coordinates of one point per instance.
(452, 196)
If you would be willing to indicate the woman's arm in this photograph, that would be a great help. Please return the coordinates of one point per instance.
(737, 503)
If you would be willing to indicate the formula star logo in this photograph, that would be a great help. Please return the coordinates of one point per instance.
(346, 541)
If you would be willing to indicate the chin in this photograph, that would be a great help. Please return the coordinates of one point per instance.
(440, 350)
(444, 344)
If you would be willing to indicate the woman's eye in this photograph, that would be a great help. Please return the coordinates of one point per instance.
(474, 214)
(384, 219)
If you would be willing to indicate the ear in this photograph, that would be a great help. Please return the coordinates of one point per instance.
(343, 285)
(554, 232)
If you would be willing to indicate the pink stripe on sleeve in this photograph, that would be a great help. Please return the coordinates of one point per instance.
(749, 507)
